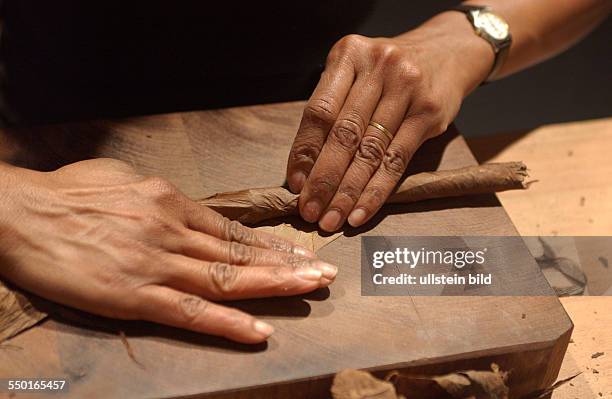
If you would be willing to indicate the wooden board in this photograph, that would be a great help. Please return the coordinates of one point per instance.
(573, 198)
(317, 334)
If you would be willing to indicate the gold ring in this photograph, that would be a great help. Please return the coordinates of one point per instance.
(382, 129)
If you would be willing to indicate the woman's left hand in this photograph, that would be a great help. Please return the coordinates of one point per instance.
(377, 101)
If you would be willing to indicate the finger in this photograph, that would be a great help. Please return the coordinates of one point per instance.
(407, 139)
(221, 281)
(174, 308)
(205, 220)
(319, 115)
(339, 149)
(389, 113)
(204, 247)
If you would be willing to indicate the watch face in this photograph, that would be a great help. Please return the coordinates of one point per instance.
(490, 23)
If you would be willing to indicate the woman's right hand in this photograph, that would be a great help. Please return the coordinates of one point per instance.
(97, 236)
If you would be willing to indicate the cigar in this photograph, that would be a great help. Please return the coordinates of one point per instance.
(256, 205)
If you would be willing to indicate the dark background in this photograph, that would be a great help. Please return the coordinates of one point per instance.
(573, 86)
(71, 60)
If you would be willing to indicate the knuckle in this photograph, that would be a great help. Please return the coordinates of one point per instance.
(348, 131)
(371, 151)
(223, 276)
(437, 125)
(408, 72)
(350, 42)
(395, 162)
(278, 276)
(281, 245)
(192, 308)
(157, 225)
(324, 185)
(161, 190)
(320, 111)
(235, 231)
(305, 154)
(430, 106)
(350, 191)
(240, 254)
(375, 194)
(387, 52)
(297, 261)
(161, 185)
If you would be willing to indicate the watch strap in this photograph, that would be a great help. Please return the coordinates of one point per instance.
(468, 8)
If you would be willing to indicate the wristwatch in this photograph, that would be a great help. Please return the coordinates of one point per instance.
(493, 29)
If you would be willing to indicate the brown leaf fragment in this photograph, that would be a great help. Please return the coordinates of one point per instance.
(128, 349)
(479, 179)
(597, 354)
(254, 205)
(357, 384)
(17, 313)
(258, 204)
(311, 240)
(469, 384)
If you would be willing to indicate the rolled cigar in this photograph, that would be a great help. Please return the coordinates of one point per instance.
(258, 204)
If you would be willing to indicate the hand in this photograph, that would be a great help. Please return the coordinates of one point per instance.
(99, 237)
(412, 85)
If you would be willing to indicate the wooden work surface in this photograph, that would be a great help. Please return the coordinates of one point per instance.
(572, 198)
(317, 334)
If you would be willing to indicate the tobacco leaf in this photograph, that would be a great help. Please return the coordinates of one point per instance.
(258, 204)
(357, 384)
(17, 313)
(469, 384)
(254, 205)
(311, 240)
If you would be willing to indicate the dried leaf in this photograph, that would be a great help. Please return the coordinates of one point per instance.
(357, 384)
(469, 384)
(16, 312)
(254, 205)
(480, 179)
(258, 204)
(311, 240)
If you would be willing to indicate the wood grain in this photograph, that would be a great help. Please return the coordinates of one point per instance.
(572, 161)
(317, 334)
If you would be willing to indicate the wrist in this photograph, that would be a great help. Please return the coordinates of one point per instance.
(470, 57)
(9, 179)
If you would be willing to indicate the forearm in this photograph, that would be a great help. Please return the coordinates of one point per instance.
(7, 180)
(543, 28)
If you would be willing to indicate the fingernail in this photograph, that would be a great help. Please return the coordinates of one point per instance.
(296, 181)
(308, 273)
(357, 217)
(263, 328)
(326, 282)
(331, 220)
(312, 210)
(329, 271)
